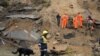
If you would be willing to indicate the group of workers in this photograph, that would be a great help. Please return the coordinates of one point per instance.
(63, 22)
(77, 21)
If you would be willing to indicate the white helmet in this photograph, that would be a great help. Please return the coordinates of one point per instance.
(45, 32)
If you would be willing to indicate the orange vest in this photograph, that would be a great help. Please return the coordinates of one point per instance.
(64, 18)
(75, 22)
(80, 18)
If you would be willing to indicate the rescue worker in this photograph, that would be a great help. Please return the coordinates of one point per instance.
(75, 23)
(98, 40)
(90, 23)
(64, 21)
(43, 44)
(58, 19)
(70, 22)
(80, 20)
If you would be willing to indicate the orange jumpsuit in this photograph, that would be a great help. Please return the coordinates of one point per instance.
(80, 20)
(64, 21)
(75, 23)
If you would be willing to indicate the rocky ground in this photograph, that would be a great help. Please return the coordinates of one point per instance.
(74, 43)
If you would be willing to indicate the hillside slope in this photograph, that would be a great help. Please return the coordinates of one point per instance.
(48, 9)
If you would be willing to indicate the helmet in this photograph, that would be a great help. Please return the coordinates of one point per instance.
(45, 32)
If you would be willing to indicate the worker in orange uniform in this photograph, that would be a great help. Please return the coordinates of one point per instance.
(75, 23)
(80, 20)
(64, 21)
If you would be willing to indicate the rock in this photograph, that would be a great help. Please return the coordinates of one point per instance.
(4, 3)
(55, 42)
(21, 34)
(1, 8)
(24, 44)
(40, 22)
(1, 41)
(22, 9)
(28, 8)
(33, 17)
(2, 26)
(69, 35)
(57, 34)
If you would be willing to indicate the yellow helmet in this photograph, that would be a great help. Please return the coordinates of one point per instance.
(45, 32)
